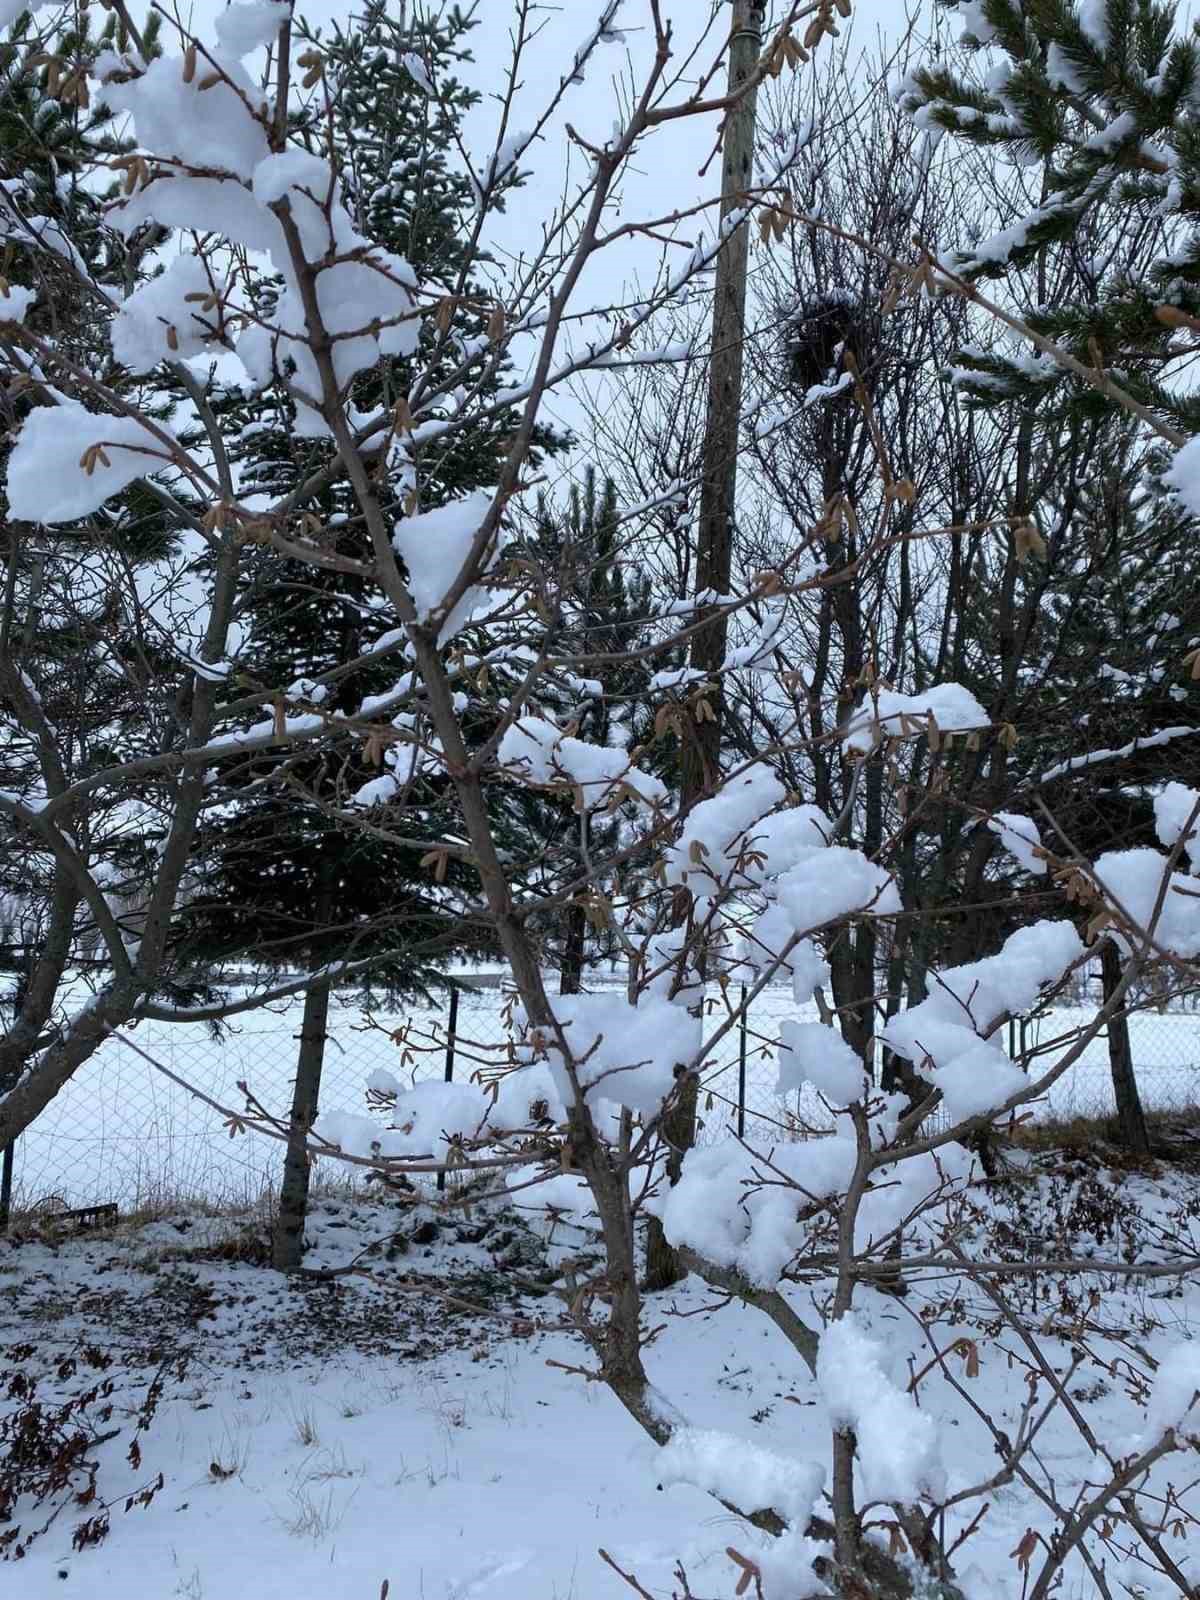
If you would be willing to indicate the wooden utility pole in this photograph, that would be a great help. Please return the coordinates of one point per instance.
(714, 545)
(701, 755)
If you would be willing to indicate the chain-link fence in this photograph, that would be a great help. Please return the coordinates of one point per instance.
(122, 1132)
(740, 1092)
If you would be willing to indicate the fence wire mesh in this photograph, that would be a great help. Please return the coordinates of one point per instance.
(122, 1132)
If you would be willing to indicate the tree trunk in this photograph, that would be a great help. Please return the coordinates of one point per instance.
(570, 971)
(287, 1244)
(1131, 1119)
(663, 1267)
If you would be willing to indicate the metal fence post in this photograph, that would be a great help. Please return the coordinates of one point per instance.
(6, 1184)
(742, 1067)
(451, 1037)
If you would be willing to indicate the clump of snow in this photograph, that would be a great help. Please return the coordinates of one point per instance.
(1174, 1397)
(833, 883)
(208, 204)
(676, 678)
(804, 963)
(1093, 19)
(1020, 837)
(1183, 475)
(48, 480)
(898, 1452)
(777, 842)
(945, 1035)
(716, 1209)
(1132, 881)
(561, 1195)
(1062, 72)
(201, 127)
(10, 10)
(758, 654)
(525, 1094)
(716, 831)
(742, 1473)
(1174, 809)
(418, 72)
(159, 322)
(15, 302)
(974, 22)
(435, 546)
(786, 1566)
(811, 1052)
(423, 1117)
(422, 1121)
(542, 754)
(948, 708)
(628, 1055)
(383, 1082)
(246, 26)
(976, 1080)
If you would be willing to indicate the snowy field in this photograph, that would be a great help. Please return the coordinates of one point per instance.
(326, 1437)
(122, 1132)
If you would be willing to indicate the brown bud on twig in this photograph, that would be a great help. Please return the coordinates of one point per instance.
(902, 489)
(402, 417)
(94, 456)
(314, 64)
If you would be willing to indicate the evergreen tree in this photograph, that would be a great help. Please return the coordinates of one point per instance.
(316, 859)
(1085, 127)
(603, 607)
(1092, 102)
(1095, 102)
(258, 871)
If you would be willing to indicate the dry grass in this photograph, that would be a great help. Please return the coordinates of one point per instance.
(1174, 1136)
(254, 1208)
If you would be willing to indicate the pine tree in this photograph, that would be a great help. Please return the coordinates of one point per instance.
(1092, 101)
(324, 858)
(604, 610)
(1091, 104)
(1095, 101)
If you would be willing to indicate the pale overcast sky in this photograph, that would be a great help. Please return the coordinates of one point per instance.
(666, 176)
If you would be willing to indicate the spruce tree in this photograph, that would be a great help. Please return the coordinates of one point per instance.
(330, 857)
(258, 871)
(604, 604)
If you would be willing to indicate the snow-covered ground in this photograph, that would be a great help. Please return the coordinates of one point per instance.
(120, 1131)
(326, 1436)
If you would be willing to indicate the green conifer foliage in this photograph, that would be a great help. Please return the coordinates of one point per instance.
(1099, 102)
(288, 825)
